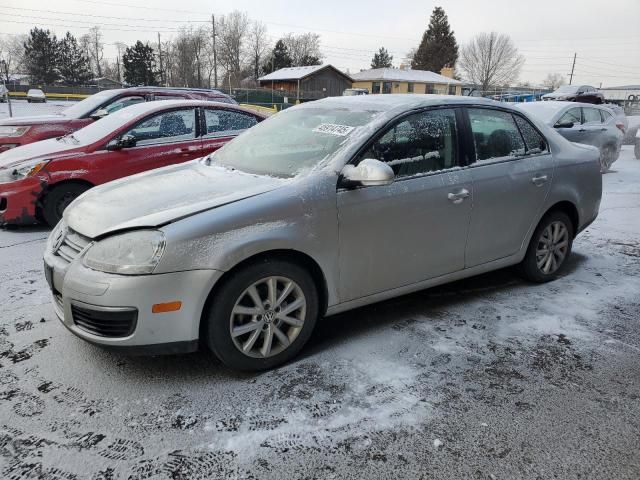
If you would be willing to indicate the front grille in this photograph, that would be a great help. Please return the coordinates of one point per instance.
(72, 246)
(113, 324)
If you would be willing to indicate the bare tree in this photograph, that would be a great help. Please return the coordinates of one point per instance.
(120, 48)
(12, 52)
(553, 81)
(232, 32)
(304, 49)
(200, 40)
(94, 46)
(259, 46)
(491, 59)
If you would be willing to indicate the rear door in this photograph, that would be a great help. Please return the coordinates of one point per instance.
(220, 126)
(161, 139)
(593, 129)
(511, 168)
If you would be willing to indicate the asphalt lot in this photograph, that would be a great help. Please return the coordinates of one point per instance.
(488, 378)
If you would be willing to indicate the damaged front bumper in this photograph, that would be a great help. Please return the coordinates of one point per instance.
(19, 201)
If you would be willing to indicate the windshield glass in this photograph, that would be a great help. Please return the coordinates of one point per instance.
(291, 142)
(89, 104)
(100, 128)
(567, 89)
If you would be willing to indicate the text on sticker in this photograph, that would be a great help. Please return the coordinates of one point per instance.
(333, 129)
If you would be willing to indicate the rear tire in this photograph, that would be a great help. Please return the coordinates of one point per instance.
(607, 157)
(271, 305)
(58, 199)
(549, 249)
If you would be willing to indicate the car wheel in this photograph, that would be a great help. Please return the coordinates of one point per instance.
(58, 199)
(607, 157)
(262, 316)
(549, 249)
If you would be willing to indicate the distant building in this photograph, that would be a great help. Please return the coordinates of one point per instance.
(396, 80)
(308, 83)
(105, 83)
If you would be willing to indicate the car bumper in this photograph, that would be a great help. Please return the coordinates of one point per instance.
(93, 305)
(19, 200)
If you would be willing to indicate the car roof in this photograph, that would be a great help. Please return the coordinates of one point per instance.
(209, 91)
(140, 109)
(389, 102)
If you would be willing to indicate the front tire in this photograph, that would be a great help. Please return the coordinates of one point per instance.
(549, 249)
(58, 199)
(262, 315)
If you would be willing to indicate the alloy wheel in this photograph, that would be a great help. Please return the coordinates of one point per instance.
(268, 317)
(552, 248)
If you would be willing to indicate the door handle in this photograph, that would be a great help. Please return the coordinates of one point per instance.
(603, 129)
(459, 197)
(582, 130)
(539, 180)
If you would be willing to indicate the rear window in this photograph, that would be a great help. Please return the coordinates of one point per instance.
(495, 134)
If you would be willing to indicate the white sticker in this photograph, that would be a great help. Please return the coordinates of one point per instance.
(333, 129)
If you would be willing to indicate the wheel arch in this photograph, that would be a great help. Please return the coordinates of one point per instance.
(294, 256)
(52, 186)
(569, 209)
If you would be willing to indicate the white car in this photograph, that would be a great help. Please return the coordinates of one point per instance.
(36, 95)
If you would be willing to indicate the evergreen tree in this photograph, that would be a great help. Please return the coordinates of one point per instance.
(438, 47)
(41, 55)
(279, 58)
(139, 65)
(73, 64)
(309, 60)
(382, 59)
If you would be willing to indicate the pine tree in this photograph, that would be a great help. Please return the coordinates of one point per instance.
(438, 47)
(279, 58)
(41, 55)
(73, 64)
(382, 59)
(139, 65)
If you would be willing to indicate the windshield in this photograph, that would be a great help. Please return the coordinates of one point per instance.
(291, 142)
(567, 89)
(89, 104)
(99, 129)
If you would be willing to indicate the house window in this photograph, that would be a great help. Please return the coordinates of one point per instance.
(429, 88)
(386, 87)
(375, 87)
(452, 89)
(410, 88)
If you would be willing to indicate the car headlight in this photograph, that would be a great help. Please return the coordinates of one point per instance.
(13, 131)
(27, 169)
(132, 253)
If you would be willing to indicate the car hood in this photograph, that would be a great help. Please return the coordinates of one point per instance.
(34, 120)
(14, 157)
(162, 196)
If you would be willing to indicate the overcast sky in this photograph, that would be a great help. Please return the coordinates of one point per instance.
(605, 35)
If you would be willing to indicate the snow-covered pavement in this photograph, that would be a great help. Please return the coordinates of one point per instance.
(485, 378)
(22, 108)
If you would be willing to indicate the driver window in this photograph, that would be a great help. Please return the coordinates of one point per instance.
(572, 115)
(123, 102)
(420, 143)
(173, 126)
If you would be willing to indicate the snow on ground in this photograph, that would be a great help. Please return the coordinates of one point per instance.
(489, 377)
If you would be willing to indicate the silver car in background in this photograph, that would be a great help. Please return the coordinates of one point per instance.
(324, 207)
(582, 123)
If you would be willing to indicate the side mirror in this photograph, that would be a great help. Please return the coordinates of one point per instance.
(98, 114)
(126, 141)
(564, 125)
(368, 173)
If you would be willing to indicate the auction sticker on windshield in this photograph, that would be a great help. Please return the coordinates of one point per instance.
(333, 129)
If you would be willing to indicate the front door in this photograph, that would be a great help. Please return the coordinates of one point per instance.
(512, 172)
(162, 139)
(416, 228)
(574, 133)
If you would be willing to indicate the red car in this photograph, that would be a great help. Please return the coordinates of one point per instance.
(22, 130)
(38, 181)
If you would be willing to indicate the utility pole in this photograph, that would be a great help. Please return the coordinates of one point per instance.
(215, 52)
(573, 68)
(162, 75)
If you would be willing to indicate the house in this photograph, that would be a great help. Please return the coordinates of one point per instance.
(308, 83)
(397, 80)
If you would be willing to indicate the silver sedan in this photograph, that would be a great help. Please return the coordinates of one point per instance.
(323, 208)
(583, 123)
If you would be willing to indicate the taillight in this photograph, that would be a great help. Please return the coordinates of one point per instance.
(621, 127)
